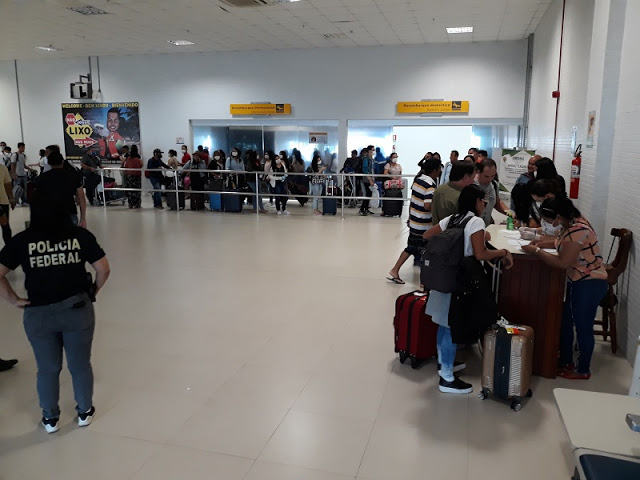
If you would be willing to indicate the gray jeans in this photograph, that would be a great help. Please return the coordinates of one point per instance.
(65, 325)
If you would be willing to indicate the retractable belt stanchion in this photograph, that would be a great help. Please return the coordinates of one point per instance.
(177, 191)
(104, 194)
(256, 203)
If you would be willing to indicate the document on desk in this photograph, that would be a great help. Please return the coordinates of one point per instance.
(517, 243)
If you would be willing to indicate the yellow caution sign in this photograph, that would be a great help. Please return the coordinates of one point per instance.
(434, 106)
(260, 109)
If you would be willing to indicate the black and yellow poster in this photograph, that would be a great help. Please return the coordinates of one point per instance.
(434, 106)
(109, 126)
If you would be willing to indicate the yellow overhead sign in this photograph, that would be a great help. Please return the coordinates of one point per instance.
(434, 106)
(260, 109)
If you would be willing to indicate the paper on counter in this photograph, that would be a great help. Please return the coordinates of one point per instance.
(517, 243)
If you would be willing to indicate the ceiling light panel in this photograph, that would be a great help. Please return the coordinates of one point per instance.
(452, 30)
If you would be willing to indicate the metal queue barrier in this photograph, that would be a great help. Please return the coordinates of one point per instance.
(258, 179)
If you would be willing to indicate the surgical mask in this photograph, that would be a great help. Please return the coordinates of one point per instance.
(266, 157)
(278, 162)
(538, 204)
(184, 150)
(394, 160)
(319, 163)
(234, 154)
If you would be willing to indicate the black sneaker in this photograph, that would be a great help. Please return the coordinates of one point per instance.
(7, 364)
(457, 366)
(50, 424)
(85, 419)
(457, 386)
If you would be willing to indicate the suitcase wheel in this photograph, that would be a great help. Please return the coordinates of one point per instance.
(530, 393)
(483, 394)
(403, 357)
(516, 406)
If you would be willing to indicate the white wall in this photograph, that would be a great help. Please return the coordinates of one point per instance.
(322, 84)
(10, 122)
(598, 74)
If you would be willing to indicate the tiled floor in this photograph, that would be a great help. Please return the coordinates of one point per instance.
(237, 347)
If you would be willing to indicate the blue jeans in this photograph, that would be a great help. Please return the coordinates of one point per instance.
(281, 202)
(316, 189)
(22, 181)
(157, 196)
(580, 308)
(446, 352)
(255, 189)
(68, 326)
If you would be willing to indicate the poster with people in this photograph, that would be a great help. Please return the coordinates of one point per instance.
(110, 126)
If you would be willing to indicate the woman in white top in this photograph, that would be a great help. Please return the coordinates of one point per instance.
(470, 204)
(393, 167)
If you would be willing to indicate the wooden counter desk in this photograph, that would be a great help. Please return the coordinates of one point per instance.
(531, 293)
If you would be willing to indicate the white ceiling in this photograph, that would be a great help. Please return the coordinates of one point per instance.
(144, 26)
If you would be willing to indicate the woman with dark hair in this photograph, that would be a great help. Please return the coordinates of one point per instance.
(254, 180)
(185, 155)
(579, 254)
(546, 170)
(538, 228)
(278, 178)
(58, 311)
(197, 180)
(471, 204)
(317, 181)
(133, 177)
(295, 157)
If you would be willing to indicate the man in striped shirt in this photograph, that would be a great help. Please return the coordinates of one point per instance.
(419, 214)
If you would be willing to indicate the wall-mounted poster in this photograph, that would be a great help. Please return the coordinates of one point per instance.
(513, 163)
(318, 137)
(591, 128)
(110, 126)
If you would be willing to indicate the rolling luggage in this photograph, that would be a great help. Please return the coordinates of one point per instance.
(330, 205)
(171, 200)
(507, 362)
(395, 184)
(232, 203)
(197, 201)
(215, 202)
(390, 206)
(415, 333)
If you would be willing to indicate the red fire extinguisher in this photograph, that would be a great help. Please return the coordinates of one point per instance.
(576, 165)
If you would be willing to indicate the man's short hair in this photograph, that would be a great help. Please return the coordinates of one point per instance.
(21, 144)
(55, 159)
(461, 170)
(431, 165)
(114, 110)
(487, 162)
(53, 148)
(456, 153)
(484, 153)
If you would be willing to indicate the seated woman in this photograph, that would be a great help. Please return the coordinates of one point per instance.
(579, 254)
(540, 191)
(471, 204)
(393, 167)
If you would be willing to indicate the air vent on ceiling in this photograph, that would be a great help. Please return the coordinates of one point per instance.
(334, 36)
(88, 10)
(254, 3)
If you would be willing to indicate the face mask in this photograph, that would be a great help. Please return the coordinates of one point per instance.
(538, 204)
(278, 162)
(184, 150)
(216, 157)
(394, 160)
(319, 163)
(234, 154)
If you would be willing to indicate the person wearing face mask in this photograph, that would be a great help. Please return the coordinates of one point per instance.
(268, 160)
(155, 175)
(317, 181)
(393, 167)
(578, 254)
(278, 179)
(541, 190)
(185, 155)
(235, 163)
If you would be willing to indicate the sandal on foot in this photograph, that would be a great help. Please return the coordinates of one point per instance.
(396, 280)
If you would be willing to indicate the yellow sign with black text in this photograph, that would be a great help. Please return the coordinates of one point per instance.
(260, 109)
(434, 106)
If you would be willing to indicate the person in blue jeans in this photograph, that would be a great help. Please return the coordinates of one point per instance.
(58, 311)
(587, 283)
(471, 204)
(157, 177)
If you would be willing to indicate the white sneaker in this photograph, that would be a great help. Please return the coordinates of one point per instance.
(286, 212)
(50, 424)
(85, 419)
(279, 212)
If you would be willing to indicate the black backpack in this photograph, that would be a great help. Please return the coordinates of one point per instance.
(442, 256)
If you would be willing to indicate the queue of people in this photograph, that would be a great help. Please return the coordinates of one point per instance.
(465, 198)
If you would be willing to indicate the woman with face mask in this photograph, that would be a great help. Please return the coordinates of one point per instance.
(268, 161)
(578, 254)
(278, 180)
(393, 167)
(317, 181)
(185, 155)
(235, 163)
(541, 190)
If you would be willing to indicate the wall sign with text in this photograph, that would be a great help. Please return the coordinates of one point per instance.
(434, 106)
(260, 109)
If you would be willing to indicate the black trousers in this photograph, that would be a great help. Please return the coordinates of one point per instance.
(366, 193)
(91, 181)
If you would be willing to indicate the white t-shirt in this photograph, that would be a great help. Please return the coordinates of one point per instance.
(474, 225)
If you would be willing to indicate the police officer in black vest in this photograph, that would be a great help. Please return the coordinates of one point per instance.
(58, 311)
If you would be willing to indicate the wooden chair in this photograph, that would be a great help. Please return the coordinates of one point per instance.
(610, 300)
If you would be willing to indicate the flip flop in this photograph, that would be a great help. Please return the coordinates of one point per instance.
(396, 280)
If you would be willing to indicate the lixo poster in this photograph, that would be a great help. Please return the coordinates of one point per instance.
(110, 126)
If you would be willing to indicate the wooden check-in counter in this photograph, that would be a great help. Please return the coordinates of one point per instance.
(531, 293)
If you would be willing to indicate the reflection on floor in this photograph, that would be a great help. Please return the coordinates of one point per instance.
(260, 347)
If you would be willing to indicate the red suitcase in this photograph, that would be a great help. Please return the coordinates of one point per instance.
(415, 333)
